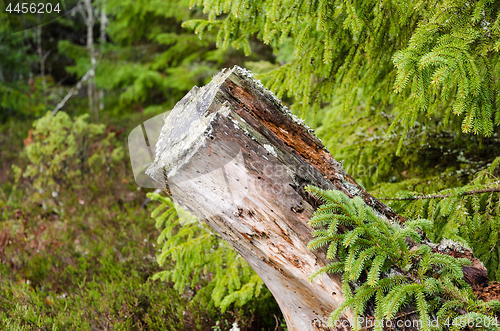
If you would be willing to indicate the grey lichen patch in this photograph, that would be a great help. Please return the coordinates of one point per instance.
(392, 273)
(351, 188)
(270, 150)
(338, 165)
(186, 127)
(224, 109)
(448, 246)
(236, 124)
(379, 214)
(248, 74)
(241, 124)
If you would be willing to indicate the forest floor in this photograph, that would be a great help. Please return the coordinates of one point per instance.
(88, 267)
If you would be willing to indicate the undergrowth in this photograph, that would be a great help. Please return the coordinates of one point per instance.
(77, 244)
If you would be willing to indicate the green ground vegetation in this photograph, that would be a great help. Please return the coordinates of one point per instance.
(78, 246)
(404, 93)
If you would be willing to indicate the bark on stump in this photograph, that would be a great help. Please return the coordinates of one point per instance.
(233, 155)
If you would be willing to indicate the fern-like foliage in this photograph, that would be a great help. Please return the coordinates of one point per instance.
(195, 258)
(379, 265)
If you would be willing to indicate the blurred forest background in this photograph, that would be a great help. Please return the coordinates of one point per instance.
(404, 93)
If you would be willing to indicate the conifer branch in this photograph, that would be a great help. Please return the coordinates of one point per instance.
(441, 196)
(420, 273)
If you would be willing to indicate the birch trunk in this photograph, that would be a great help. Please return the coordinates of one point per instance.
(104, 21)
(88, 15)
(41, 56)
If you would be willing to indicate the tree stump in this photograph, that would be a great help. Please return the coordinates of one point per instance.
(235, 156)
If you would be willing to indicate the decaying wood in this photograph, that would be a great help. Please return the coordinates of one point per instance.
(232, 154)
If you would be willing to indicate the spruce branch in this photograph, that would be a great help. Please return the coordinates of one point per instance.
(395, 274)
(441, 196)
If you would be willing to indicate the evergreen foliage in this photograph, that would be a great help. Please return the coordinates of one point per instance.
(15, 60)
(469, 214)
(63, 152)
(377, 263)
(197, 258)
(409, 58)
(406, 93)
(154, 66)
(433, 157)
(151, 61)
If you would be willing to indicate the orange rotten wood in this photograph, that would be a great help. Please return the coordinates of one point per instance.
(235, 156)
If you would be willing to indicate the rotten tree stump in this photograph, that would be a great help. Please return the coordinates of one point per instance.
(231, 153)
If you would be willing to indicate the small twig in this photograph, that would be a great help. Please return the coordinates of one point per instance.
(73, 91)
(148, 200)
(82, 11)
(46, 55)
(440, 196)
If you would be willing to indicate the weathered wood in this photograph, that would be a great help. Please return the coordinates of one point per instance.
(232, 154)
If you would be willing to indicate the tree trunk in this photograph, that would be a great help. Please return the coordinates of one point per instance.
(41, 56)
(232, 154)
(87, 13)
(102, 41)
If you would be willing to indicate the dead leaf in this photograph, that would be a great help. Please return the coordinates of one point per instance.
(29, 140)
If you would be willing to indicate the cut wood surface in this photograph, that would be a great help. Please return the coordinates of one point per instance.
(233, 155)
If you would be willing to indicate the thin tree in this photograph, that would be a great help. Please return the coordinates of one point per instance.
(87, 12)
(104, 22)
(41, 55)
